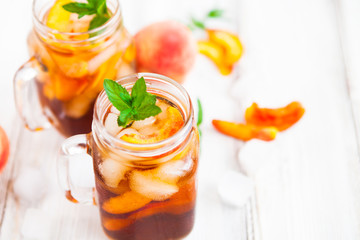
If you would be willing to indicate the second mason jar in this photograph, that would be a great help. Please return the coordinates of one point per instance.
(59, 84)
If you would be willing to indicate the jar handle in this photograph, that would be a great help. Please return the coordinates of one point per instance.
(75, 170)
(27, 98)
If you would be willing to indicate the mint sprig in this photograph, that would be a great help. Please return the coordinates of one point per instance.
(97, 7)
(201, 24)
(137, 106)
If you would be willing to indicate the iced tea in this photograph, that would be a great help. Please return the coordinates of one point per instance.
(72, 62)
(152, 199)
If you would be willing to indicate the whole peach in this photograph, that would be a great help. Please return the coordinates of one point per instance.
(167, 48)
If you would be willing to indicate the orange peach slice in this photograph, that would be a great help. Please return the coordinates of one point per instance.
(216, 54)
(128, 202)
(116, 224)
(281, 118)
(245, 132)
(173, 122)
(67, 88)
(229, 42)
(58, 18)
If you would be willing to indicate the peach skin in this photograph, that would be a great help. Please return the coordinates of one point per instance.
(167, 48)
(281, 118)
(245, 132)
(4, 149)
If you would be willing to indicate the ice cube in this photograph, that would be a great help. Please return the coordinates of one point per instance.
(235, 188)
(112, 171)
(36, 225)
(143, 123)
(172, 171)
(30, 184)
(164, 107)
(128, 131)
(148, 130)
(144, 183)
(111, 124)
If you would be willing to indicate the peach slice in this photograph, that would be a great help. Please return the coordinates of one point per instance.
(128, 202)
(281, 118)
(116, 224)
(216, 54)
(58, 18)
(229, 42)
(173, 122)
(67, 88)
(245, 132)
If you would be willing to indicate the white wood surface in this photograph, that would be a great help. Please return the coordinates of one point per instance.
(307, 180)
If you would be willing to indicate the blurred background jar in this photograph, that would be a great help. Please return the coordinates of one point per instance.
(60, 82)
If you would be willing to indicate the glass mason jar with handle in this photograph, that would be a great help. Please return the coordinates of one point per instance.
(144, 189)
(58, 85)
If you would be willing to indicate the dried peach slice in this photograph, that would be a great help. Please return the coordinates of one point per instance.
(128, 202)
(281, 118)
(216, 54)
(229, 42)
(245, 132)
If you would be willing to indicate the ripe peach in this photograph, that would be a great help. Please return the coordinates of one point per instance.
(167, 48)
(4, 149)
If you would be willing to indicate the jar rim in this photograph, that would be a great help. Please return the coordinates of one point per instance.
(146, 149)
(97, 32)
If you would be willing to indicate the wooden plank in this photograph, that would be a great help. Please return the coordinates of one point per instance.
(307, 186)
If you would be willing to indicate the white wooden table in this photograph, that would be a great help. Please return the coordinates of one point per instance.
(307, 181)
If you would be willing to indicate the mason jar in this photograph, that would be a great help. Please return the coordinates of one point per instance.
(143, 191)
(58, 85)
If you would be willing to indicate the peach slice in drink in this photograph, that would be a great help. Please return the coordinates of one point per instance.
(115, 224)
(64, 21)
(125, 203)
(160, 130)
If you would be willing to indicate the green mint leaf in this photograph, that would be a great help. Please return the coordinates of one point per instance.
(137, 106)
(125, 117)
(117, 95)
(97, 21)
(138, 92)
(97, 7)
(92, 2)
(79, 8)
(101, 7)
(147, 111)
(200, 113)
(197, 23)
(215, 13)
